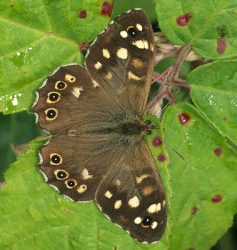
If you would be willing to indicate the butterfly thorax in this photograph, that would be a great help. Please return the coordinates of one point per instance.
(139, 127)
(134, 127)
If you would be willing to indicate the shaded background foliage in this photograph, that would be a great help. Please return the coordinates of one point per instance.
(20, 129)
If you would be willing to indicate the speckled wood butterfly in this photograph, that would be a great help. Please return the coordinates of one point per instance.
(95, 113)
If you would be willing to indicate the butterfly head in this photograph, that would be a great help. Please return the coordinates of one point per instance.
(148, 127)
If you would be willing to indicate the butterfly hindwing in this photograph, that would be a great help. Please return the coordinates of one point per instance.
(121, 59)
(75, 165)
(133, 197)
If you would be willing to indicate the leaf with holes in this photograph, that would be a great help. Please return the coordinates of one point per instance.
(208, 25)
(36, 37)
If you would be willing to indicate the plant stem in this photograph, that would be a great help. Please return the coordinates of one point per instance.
(170, 78)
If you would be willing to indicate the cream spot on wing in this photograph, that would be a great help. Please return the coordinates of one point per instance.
(108, 75)
(147, 190)
(134, 202)
(95, 83)
(108, 194)
(117, 182)
(124, 34)
(141, 44)
(106, 53)
(117, 204)
(138, 220)
(122, 53)
(154, 225)
(77, 91)
(141, 178)
(72, 132)
(145, 44)
(82, 189)
(154, 208)
(164, 203)
(133, 77)
(70, 78)
(151, 47)
(85, 174)
(98, 65)
(139, 26)
(137, 63)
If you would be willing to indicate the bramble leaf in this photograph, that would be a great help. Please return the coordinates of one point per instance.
(37, 37)
(209, 26)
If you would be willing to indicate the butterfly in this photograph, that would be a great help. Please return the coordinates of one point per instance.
(95, 114)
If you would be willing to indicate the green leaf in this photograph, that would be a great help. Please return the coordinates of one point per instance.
(38, 36)
(34, 216)
(202, 170)
(214, 92)
(209, 26)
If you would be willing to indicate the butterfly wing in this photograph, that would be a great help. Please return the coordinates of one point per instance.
(132, 195)
(87, 157)
(78, 114)
(69, 99)
(76, 165)
(121, 59)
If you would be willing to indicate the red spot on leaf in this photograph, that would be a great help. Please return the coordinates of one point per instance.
(106, 9)
(217, 151)
(216, 198)
(83, 14)
(221, 45)
(194, 210)
(183, 20)
(84, 47)
(184, 118)
(161, 157)
(157, 141)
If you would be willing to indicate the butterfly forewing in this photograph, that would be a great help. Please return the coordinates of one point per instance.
(98, 150)
(69, 98)
(121, 59)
